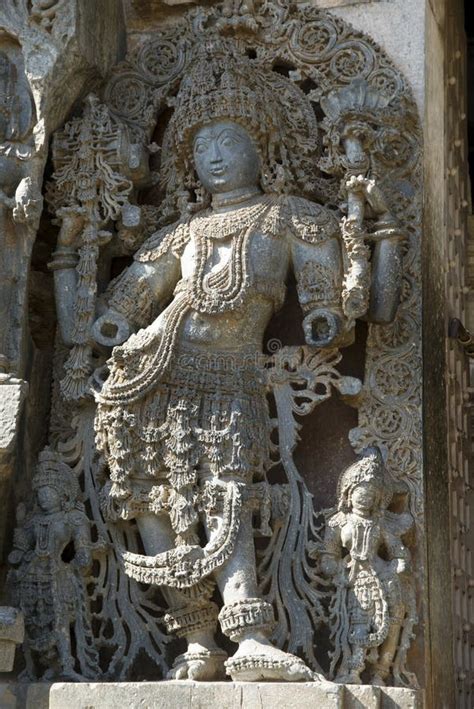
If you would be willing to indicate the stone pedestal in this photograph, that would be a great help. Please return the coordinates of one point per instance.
(11, 634)
(207, 695)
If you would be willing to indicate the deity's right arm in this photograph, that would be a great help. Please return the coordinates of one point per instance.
(145, 287)
(331, 556)
(131, 297)
(23, 541)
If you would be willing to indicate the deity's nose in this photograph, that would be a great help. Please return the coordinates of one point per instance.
(215, 156)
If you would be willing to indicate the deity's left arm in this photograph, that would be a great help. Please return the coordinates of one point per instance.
(317, 264)
(394, 527)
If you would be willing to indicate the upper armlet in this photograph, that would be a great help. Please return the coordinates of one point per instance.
(172, 238)
(308, 221)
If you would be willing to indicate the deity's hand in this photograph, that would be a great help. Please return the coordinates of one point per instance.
(330, 566)
(28, 202)
(111, 329)
(400, 566)
(82, 560)
(72, 223)
(372, 194)
(321, 327)
(15, 557)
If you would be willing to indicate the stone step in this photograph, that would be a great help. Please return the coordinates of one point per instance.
(205, 695)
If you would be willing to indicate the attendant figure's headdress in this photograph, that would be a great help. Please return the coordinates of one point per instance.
(369, 467)
(51, 471)
(223, 83)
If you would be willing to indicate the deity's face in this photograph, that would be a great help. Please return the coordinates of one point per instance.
(48, 498)
(225, 157)
(364, 497)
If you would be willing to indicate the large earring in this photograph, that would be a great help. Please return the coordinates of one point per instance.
(200, 193)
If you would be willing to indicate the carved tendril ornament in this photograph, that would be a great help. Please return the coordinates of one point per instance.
(170, 432)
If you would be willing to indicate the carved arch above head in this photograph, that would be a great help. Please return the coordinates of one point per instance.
(317, 51)
(344, 76)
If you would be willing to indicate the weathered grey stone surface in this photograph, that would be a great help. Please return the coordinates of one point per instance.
(399, 26)
(371, 569)
(24, 696)
(190, 315)
(11, 635)
(205, 695)
(50, 53)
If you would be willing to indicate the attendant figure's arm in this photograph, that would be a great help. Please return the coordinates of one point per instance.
(81, 539)
(397, 552)
(63, 265)
(23, 542)
(331, 555)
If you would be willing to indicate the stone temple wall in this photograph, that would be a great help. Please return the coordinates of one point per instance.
(253, 484)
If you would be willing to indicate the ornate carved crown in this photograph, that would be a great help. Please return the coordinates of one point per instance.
(369, 467)
(221, 83)
(51, 471)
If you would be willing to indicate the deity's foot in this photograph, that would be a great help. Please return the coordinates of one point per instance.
(378, 680)
(205, 666)
(348, 678)
(67, 674)
(255, 662)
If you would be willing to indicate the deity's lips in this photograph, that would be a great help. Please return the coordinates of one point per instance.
(218, 171)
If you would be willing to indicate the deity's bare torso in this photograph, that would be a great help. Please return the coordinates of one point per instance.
(247, 252)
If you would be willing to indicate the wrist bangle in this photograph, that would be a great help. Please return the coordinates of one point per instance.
(63, 258)
(333, 305)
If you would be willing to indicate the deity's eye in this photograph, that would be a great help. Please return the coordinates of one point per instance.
(228, 140)
(200, 147)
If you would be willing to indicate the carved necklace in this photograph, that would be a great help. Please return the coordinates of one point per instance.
(221, 225)
(361, 537)
(224, 289)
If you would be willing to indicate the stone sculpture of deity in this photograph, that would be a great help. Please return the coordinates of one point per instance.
(47, 589)
(182, 420)
(373, 609)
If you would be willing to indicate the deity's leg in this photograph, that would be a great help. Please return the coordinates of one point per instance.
(66, 660)
(386, 654)
(30, 670)
(191, 615)
(248, 620)
(355, 651)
